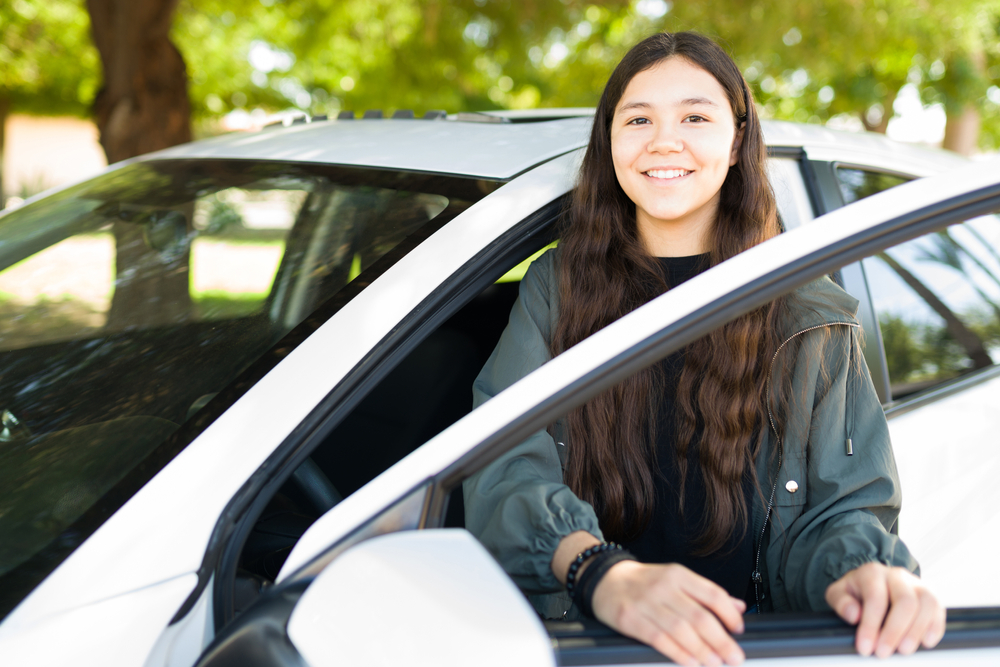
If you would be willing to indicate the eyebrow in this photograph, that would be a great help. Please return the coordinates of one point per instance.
(691, 101)
(634, 105)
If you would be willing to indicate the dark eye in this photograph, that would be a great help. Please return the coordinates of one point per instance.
(638, 121)
(694, 118)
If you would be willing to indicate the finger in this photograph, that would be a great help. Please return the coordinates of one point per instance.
(711, 632)
(714, 597)
(649, 633)
(843, 602)
(929, 611)
(903, 611)
(874, 604)
(741, 605)
(680, 629)
(935, 633)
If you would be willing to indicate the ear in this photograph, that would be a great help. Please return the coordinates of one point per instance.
(734, 155)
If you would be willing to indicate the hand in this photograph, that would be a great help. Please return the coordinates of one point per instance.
(866, 594)
(679, 613)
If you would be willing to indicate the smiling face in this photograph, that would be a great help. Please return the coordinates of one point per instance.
(673, 139)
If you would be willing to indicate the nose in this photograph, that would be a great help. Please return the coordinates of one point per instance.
(665, 139)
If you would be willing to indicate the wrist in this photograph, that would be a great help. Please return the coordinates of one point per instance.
(588, 569)
(610, 588)
(568, 549)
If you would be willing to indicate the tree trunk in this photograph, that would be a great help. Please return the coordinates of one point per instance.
(143, 106)
(961, 132)
(887, 113)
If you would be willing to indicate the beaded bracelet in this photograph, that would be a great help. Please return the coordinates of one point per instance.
(574, 567)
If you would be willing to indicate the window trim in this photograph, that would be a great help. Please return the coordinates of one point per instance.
(941, 391)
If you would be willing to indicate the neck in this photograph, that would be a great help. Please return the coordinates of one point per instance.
(674, 239)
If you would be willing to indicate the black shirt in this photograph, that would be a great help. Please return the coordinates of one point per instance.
(669, 537)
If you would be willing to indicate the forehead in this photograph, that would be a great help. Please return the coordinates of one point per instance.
(674, 82)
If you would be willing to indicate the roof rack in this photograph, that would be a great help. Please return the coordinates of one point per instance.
(398, 114)
(497, 116)
(540, 115)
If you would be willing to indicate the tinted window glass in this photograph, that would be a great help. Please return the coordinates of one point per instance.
(128, 303)
(857, 184)
(938, 304)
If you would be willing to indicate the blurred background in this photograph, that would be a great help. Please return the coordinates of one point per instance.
(85, 83)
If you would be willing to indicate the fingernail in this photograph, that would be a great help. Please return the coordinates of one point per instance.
(713, 661)
(907, 646)
(883, 650)
(740, 629)
(735, 658)
(931, 639)
(865, 647)
(851, 613)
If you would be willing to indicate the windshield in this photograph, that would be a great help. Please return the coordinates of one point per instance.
(136, 307)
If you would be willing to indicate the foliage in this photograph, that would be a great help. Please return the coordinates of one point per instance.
(326, 55)
(48, 64)
(811, 61)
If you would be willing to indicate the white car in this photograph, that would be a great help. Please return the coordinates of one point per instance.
(235, 388)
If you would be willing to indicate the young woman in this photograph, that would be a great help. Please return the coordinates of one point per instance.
(751, 468)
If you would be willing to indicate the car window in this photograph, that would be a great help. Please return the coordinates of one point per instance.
(131, 302)
(857, 183)
(937, 299)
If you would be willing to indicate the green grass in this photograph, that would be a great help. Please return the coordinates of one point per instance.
(218, 305)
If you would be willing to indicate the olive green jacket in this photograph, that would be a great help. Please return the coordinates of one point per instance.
(825, 512)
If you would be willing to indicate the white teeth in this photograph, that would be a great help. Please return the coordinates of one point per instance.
(667, 173)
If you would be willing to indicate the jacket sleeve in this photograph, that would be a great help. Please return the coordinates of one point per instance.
(850, 501)
(518, 506)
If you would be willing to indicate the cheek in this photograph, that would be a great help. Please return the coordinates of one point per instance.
(624, 154)
(620, 160)
(722, 149)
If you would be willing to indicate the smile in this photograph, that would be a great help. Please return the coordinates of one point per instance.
(667, 173)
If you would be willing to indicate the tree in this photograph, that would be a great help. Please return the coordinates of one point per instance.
(817, 60)
(47, 62)
(323, 56)
(142, 105)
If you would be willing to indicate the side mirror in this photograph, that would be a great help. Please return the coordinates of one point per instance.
(434, 595)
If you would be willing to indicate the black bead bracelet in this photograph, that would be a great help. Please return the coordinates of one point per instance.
(574, 567)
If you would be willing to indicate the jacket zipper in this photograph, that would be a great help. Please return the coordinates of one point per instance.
(755, 576)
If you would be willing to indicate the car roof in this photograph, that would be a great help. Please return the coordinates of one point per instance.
(503, 144)
(487, 149)
(823, 143)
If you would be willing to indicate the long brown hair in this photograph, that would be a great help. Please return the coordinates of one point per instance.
(606, 272)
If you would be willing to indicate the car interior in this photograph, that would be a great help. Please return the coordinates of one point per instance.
(427, 391)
